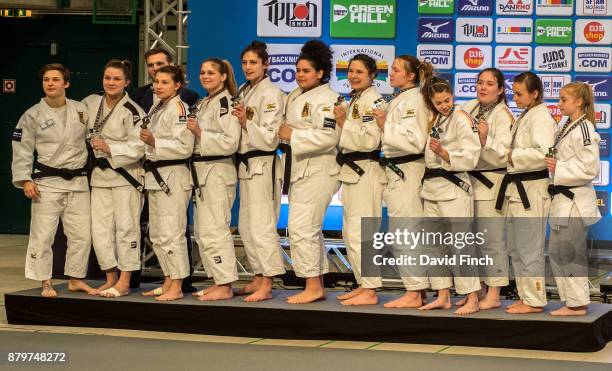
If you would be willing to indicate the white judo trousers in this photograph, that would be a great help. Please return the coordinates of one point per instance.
(73, 209)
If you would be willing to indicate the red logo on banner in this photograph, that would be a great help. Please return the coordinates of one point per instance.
(555, 111)
(594, 32)
(473, 57)
(300, 11)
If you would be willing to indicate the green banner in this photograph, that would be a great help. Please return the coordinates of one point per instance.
(363, 18)
(436, 6)
(554, 31)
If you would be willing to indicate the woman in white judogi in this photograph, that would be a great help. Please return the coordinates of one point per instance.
(169, 144)
(56, 181)
(363, 179)
(404, 127)
(312, 135)
(213, 171)
(116, 178)
(574, 205)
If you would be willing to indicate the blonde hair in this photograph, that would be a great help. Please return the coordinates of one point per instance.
(581, 90)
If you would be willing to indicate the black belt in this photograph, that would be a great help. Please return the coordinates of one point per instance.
(392, 162)
(103, 163)
(286, 149)
(245, 157)
(67, 174)
(554, 190)
(194, 173)
(518, 179)
(152, 166)
(448, 175)
(350, 158)
(478, 175)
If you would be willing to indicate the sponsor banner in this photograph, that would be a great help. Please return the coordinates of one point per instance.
(514, 7)
(602, 115)
(553, 83)
(509, 77)
(554, 7)
(513, 58)
(553, 58)
(604, 145)
(474, 30)
(448, 77)
(514, 30)
(475, 7)
(594, 31)
(436, 6)
(435, 29)
(363, 18)
(382, 54)
(282, 65)
(601, 85)
(283, 18)
(473, 57)
(594, 7)
(603, 178)
(555, 111)
(592, 59)
(603, 200)
(465, 84)
(440, 56)
(554, 31)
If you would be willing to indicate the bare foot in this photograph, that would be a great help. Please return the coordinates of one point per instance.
(155, 292)
(170, 295)
(366, 297)
(518, 302)
(205, 291)
(307, 296)
(412, 299)
(114, 292)
(260, 295)
(47, 290)
(219, 293)
(250, 288)
(489, 303)
(351, 294)
(482, 293)
(522, 308)
(76, 285)
(106, 285)
(570, 311)
(441, 302)
(470, 306)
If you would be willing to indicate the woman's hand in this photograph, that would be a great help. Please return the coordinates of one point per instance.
(551, 164)
(483, 131)
(147, 137)
(340, 115)
(380, 115)
(99, 144)
(284, 133)
(240, 112)
(30, 189)
(436, 147)
(192, 125)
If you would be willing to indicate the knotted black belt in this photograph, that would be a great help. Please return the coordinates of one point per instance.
(103, 164)
(518, 179)
(194, 172)
(392, 162)
(478, 175)
(448, 175)
(350, 158)
(245, 157)
(286, 149)
(554, 190)
(152, 166)
(67, 174)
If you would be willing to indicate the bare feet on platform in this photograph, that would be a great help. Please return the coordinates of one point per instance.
(350, 294)
(518, 302)
(263, 292)
(365, 297)
(491, 301)
(522, 308)
(47, 290)
(206, 290)
(77, 284)
(217, 292)
(251, 287)
(174, 292)
(443, 301)
(111, 280)
(412, 299)
(482, 293)
(570, 311)
(159, 290)
(470, 306)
